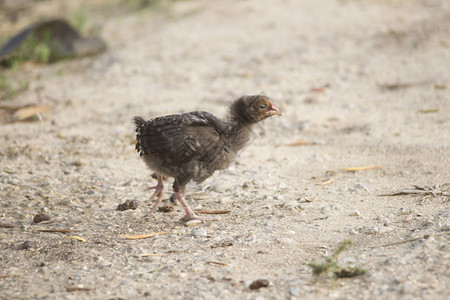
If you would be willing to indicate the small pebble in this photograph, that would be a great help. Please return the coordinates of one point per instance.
(24, 227)
(41, 218)
(372, 230)
(26, 245)
(359, 186)
(199, 232)
(353, 231)
(79, 162)
(166, 208)
(193, 222)
(319, 142)
(283, 186)
(14, 181)
(224, 243)
(295, 291)
(129, 204)
(285, 240)
(354, 213)
(260, 283)
(278, 197)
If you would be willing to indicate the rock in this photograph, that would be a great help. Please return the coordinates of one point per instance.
(278, 197)
(24, 227)
(428, 222)
(284, 240)
(14, 181)
(283, 186)
(166, 208)
(295, 291)
(319, 142)
(359, 186)
(41, 218)
(199, 232)
(129, 204)
(371, 230)
(354, 213)
(223, 243)
(353, 231)
(26, 245)
(79, 162)
(193, 222)
(260, 283)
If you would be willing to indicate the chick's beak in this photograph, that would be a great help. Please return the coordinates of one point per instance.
(274, 110)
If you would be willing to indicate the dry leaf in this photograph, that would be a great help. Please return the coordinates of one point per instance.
(76, 238)
(8, 275)
(27, 111)
(299, 142)
(320, 89)
(325, 182)
(402, 85)
(362, 168)
(151, 254)
(216, 263)
(439, 86)
(429, 110)
(141, 236)
(7, 225)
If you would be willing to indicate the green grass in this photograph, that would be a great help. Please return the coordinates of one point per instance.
(32, 49)
(10, 89)
(330, 265)
(79, 20)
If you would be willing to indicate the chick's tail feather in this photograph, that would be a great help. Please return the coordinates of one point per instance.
(139, 122)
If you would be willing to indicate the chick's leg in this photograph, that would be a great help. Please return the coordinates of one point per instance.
(159, 191)
(178, 188)
(190, 214)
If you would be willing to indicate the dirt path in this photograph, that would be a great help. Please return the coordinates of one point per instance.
(363, 84)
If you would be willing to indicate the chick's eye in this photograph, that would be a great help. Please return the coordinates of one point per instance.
(262, 106)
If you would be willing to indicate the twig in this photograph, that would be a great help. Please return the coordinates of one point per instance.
(325, 182)
(213, 212)
(425, 236)
(353, 169)
(216, 263)
(152, 254)
(8, 275)
(435, 190)
(57, 230)
(299, 142)
(7, 225)
(76, 238)
(404, 85)
(142, 236)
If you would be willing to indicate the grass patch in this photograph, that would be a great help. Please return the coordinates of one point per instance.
(34, 49)
(10, 89)
(331, 266)
(78, 20)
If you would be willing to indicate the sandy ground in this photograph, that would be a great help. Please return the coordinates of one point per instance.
(363, 83)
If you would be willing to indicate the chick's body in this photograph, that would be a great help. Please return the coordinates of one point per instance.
(192, 146)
